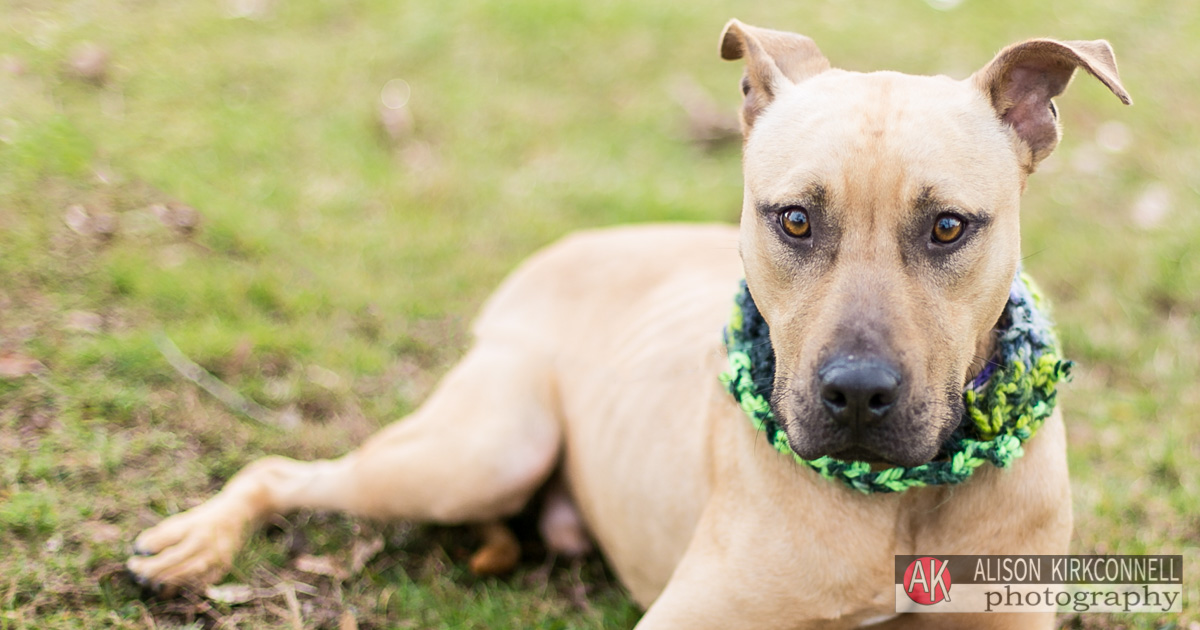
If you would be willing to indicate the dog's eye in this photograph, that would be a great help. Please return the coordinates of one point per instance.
(794, 222)
(948, 228)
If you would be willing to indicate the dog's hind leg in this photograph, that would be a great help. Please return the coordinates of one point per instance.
(482, 444)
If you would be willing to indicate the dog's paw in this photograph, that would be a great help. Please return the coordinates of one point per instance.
(189, 550)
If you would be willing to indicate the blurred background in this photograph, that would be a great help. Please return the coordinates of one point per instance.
(311, 198)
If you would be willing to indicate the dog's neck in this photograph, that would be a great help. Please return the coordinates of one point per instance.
(1005, 399)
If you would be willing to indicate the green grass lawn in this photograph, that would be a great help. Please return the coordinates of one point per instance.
(224, 178)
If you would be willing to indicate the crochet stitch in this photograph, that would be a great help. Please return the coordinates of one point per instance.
(1004, 404)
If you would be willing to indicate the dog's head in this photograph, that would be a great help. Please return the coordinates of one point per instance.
(880, 229)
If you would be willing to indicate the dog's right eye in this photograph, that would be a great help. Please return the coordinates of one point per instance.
(948, 227)
(794, 222)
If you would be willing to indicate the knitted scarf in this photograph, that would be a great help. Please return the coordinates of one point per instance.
(1004, 404)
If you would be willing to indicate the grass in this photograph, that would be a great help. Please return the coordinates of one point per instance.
(334, 268)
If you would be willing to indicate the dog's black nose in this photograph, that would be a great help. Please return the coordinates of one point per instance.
(858, 391)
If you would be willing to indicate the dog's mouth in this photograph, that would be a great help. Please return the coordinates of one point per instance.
(913, 435)
(877, 461)
(904, 456)
(862, 454)
(879, 458)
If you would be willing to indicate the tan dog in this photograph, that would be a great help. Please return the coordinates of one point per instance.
(599, 357)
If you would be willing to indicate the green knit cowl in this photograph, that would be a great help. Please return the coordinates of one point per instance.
(1003, 405)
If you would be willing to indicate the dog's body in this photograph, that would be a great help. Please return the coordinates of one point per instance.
(599, 357)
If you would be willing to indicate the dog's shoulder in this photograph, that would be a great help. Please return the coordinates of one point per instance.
(595, 271)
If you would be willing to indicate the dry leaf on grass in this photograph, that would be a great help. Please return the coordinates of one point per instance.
(83, 321)
(395, 118)
(237, 593)
(102, 533)
(14, 366)
(397, 124)
(363, 551)
(87, 222)
(180, 218)
(76, 217)
(89, 62)
(708, 123)
(321, 565)
(294, 608)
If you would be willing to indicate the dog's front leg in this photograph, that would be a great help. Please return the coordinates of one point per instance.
(710, 591)
(695, 599)
(719, 584)
(482, 444)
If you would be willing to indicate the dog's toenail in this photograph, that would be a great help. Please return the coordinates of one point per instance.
(137, 578)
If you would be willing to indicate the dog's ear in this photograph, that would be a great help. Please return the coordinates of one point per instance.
(774, 59)
(1023, 78)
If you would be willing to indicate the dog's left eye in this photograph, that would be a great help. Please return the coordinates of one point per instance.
(794, 222)
(948, 228)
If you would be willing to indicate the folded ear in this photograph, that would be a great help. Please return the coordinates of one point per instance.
(774, 60)
(1023, 78)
